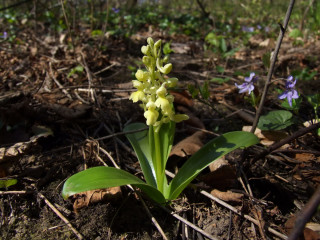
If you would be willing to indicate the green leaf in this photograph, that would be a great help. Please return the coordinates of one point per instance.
(193, 90)
(219, 80)
(106, 177)
(204, 90)
(167, 49)
(213, 150)
(223, 45)
(275, 120)
(141, 146)
(220, 69)
(295, 33)
(7, 183)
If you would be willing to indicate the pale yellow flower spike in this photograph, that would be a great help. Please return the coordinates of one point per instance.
(152, 86)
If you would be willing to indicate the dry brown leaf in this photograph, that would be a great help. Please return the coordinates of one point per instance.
(193, 120)
(267, 138)
(182, 98)
(89, 197)
(304, 157)
(227, 196)
(222, 175)
(308, 233)
(71, 113)
(189, 145)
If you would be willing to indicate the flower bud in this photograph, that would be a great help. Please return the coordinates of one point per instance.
(172, 82)
(161, 91)
(146, 61)
(137, 84)
(151, 105)
(166, 69)
(141, 75)
(150, 41)
(157, 45)
(144, 50)
(165, 59)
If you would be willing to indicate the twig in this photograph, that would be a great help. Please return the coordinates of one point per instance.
(272, 65)
(282, 236)
(104, 69)
(189, 224)
(56, 211)
(233, 209)
(305, 215)
(58, 83)
(277, 145)
(15, 192)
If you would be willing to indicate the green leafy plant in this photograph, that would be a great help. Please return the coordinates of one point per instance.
(153, 146)
(276, 120)
(75, 70)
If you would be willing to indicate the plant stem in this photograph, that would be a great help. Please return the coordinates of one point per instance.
(158, 161)
(273, 63)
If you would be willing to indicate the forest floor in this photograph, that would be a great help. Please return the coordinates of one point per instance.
(53, 119)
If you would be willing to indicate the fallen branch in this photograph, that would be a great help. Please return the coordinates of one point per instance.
(305, 215)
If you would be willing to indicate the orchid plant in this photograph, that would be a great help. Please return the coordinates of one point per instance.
(153, 146)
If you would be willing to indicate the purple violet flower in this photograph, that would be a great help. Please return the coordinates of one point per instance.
(290, 93)
(247, 29)
(115, 10)
(5, 35)
(248, 85)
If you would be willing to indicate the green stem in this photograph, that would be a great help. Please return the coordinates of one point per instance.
(158, 160)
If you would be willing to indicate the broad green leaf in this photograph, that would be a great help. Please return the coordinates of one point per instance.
(166, 134)
(275, 120)
(7, 183)
(141, 146)
(223, 45)
(106, 177)
(213, 150)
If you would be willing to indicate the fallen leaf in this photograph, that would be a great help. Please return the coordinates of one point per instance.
(304, 157)
(222, 175)
(189, 145)
(83, 199)
(227, 196)
(182, 98)
(267, 138)
(308, 234)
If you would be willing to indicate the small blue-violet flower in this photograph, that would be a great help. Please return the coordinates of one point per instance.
(248, 85)
(5, 35)
(115, 10)
(290, 93)
(247, 29)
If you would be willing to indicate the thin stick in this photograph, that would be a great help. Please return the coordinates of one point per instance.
(189, 224)
(305, 215)
(56, 211)
(278, 234)
(273, 63)
(288, 139)
(58, 83)
(233, 209)
(15, 192)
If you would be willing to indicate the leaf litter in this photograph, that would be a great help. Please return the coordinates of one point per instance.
(38, 75)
